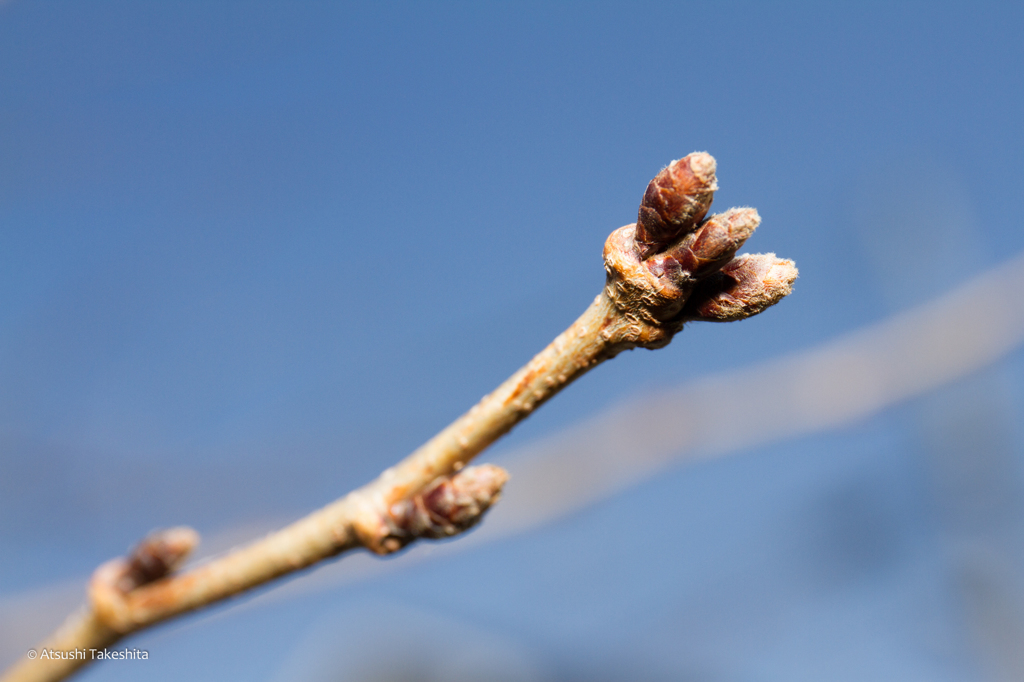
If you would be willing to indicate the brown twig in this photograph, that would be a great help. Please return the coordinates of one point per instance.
(669, 268)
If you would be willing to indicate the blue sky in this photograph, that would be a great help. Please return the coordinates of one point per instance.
(251, 254)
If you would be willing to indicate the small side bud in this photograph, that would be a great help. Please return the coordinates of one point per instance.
(714, 244)
(743, 287)
(675, 202)
(156, 556)
(450, 505)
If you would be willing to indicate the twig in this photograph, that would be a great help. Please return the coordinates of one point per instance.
(669, 268)
(840, 382)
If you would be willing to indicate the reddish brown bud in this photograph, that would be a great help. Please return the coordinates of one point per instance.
(713, 245)
(676, 200)
(158, 554)
(450, 505)
(743, 287)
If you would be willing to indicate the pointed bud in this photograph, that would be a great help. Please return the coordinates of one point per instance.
(743, 287)
(676, 200)
(714, 244)
(450, 505)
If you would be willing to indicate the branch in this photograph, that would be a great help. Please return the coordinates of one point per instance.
(669, 268)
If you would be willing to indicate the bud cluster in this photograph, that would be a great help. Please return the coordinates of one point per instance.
(676, 265)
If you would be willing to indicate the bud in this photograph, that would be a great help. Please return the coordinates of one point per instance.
(676, 200)
(450, 505)
(743, 287)
(714, 244)
(158, 554)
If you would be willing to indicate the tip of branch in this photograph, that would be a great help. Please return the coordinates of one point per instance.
(674, 266)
